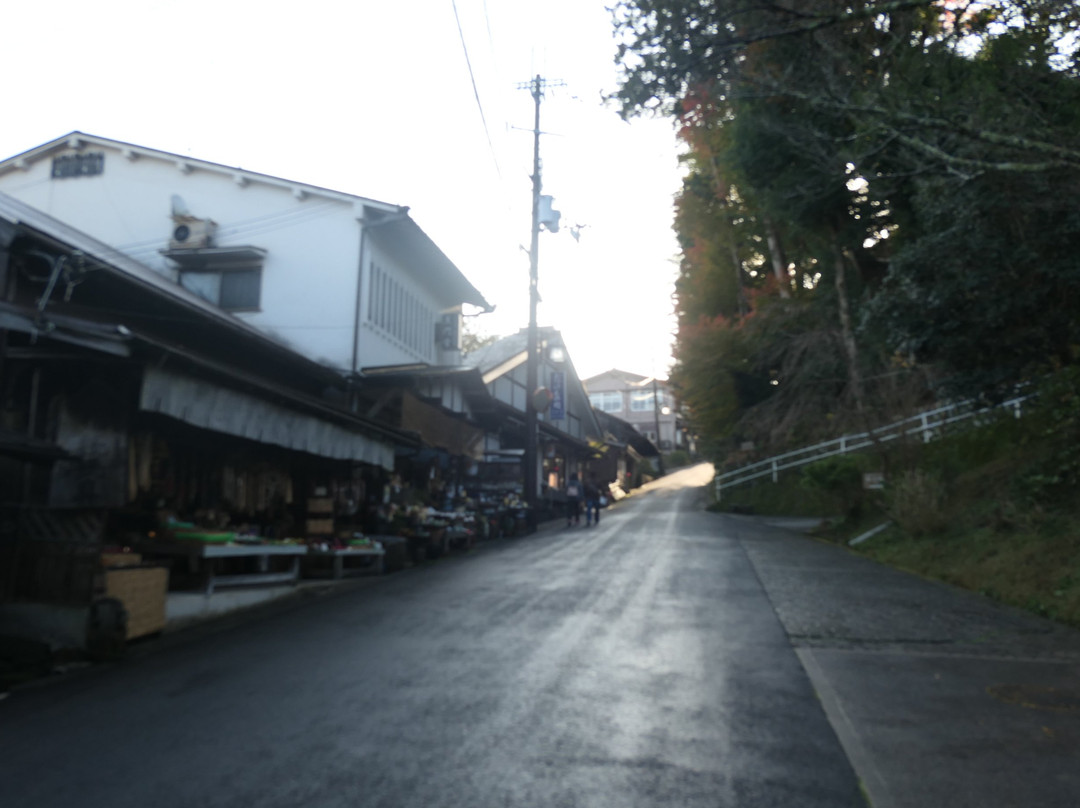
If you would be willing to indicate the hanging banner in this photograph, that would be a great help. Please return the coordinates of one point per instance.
(558, 395)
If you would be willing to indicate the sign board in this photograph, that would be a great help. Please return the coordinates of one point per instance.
(78, 165)
(558, 395)
(873, 480)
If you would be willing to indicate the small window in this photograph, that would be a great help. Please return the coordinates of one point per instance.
(607, 402)
(240, 289)
(231, 289)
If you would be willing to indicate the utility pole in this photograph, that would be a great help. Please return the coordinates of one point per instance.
(536, 87)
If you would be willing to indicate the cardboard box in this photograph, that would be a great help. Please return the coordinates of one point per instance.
(142, 591)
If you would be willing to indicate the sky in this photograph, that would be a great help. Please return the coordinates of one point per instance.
(377, 99)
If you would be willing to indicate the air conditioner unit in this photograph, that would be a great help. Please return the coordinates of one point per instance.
(190, 233)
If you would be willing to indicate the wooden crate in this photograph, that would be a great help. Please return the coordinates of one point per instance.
(121, 559)
(320, 527)
(320, 505)
(142, 591)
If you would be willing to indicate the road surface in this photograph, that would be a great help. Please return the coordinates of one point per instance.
(636, 663)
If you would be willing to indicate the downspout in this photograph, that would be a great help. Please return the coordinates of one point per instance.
(364, 224)
(353, 398)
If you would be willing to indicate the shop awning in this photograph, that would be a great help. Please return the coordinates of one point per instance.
(207, 405)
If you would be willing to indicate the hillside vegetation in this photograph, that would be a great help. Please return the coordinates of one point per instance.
(878, 215)
(992, 509)
(878, 211)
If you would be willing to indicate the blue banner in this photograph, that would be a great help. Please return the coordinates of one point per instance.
(558, 395)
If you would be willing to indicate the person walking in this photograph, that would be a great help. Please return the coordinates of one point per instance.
(592, 501)
(574, 492)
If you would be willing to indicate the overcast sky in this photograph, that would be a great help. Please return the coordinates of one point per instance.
(375, 99)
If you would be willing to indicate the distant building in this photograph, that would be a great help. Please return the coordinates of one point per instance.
(630, 397)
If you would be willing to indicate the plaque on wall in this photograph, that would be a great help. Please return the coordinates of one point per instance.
(78, 165)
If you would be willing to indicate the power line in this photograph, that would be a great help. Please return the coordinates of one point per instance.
(476, 92)
(249, 227)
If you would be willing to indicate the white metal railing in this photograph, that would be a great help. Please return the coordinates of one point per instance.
(929, 424)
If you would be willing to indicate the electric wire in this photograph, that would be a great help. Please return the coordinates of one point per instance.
(244, 226)
(476, 92)
(146, 252)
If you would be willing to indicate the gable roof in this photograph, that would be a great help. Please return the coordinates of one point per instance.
(501, 356)
(510, 352)
(399, 234)
(76, 139)
(624, 376)
(624, 433)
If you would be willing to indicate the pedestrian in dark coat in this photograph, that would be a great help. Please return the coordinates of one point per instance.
(592, 501)
(574, 493)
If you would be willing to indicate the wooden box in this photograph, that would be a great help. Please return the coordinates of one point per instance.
(318, 505)
(142, 591)
(121, 559)
(320, 527)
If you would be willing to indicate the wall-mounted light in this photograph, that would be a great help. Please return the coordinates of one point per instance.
(557, 354)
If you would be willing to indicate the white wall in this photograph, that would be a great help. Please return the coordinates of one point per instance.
(378, 346)
(310, 276)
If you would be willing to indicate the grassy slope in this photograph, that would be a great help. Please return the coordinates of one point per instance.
(974, 510)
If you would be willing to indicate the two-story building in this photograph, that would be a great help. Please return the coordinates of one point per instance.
(569, 434)
(644, 402)
(346, 281)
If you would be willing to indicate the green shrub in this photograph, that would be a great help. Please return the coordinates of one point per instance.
(680, 457)
(1055, 419)
(916, 501)
(837, 481)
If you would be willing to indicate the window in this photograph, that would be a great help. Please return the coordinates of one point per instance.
(229, 277)
(641, 401)
(606, 402)
(238, 289)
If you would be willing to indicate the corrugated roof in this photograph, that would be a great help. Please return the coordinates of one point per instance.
(502, 350)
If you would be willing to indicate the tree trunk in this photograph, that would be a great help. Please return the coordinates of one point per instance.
(850, 347)
(776, 254)
(740, 293)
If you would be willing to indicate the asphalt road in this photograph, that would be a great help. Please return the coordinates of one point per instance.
(637, 663)
(938, 695)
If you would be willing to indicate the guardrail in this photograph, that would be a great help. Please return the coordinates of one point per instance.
(930, 424)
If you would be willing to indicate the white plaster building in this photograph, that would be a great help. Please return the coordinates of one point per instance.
(347, 281)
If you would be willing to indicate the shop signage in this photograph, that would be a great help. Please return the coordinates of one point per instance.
(558, 395)
(78, 165)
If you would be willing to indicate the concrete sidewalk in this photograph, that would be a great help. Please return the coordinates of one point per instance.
(939, 696)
